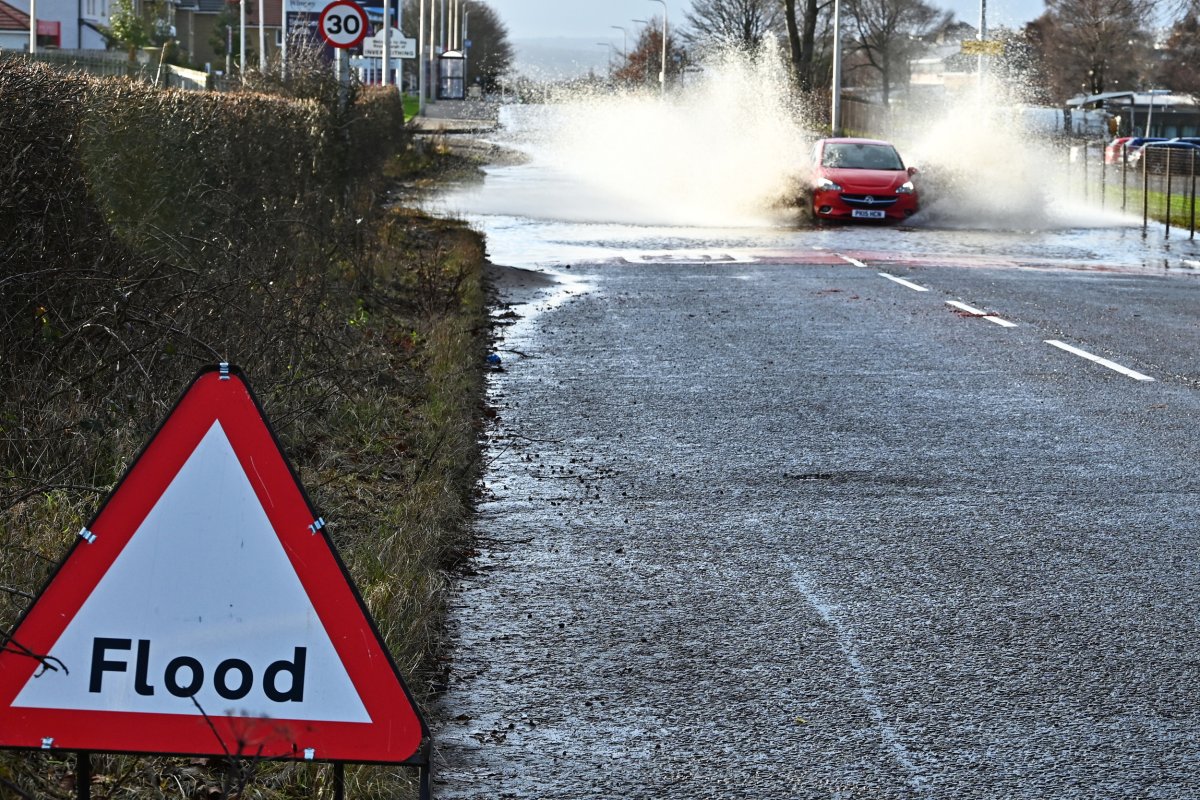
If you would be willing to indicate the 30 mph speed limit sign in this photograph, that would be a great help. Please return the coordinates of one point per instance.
(343, 23)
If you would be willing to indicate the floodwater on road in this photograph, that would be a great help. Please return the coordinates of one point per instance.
(758, 523)
(558, 207)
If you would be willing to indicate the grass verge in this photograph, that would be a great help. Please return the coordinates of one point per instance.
(372, 377)
(1177, 208)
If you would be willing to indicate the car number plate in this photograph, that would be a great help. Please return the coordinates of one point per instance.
(867, 213)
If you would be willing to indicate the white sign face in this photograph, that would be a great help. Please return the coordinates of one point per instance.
(343, 23)
(202, 610)
(400, 47)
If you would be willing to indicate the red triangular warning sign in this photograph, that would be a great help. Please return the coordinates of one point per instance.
(204, 611)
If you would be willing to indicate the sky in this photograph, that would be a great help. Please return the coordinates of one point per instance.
(586, 18)
(545, 30)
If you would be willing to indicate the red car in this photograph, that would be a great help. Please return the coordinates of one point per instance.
(861, 179)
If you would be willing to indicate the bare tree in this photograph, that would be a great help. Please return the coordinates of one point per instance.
(802, 38)
(744, 23)
(1092, 46)
(886, 33)
(1180, 69)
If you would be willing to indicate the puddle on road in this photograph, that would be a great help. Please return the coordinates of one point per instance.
(550, 244)
(629, 177)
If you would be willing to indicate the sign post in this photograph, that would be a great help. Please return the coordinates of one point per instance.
(205, 612)
(387, 43)
(342, 24)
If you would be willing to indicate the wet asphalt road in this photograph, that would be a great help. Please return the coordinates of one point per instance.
(800, 531)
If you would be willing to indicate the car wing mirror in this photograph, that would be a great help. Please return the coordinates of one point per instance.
(912, 171)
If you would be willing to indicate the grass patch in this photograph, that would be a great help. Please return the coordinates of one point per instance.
(1154, 204)
(412, 106)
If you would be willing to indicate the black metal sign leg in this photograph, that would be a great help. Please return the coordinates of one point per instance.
(426, 786)
(83, 776)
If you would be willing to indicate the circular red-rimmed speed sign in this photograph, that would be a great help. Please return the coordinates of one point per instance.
(343, 23)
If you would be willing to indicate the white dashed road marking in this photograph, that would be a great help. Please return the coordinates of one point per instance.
(1137, 376)
(903, 282)
(975, 312)
(1104, 362)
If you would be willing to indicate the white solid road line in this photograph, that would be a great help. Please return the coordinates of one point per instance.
(903, 282)
(975, 312)
(850, 260)
(1137, 376)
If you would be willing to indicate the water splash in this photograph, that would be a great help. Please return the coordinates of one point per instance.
(730, 151)
(723, 151)
(985, 166)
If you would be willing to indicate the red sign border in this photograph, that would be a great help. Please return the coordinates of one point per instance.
(361, 12)
(216, 393)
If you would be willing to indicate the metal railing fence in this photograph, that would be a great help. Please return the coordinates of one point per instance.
(115, 64)
(1159, 186)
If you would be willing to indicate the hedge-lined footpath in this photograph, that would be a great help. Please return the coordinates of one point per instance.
(144, 234)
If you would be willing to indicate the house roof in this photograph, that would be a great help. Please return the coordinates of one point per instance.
(13, 19)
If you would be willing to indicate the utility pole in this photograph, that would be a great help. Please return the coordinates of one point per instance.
(624, 43)
(262, 36)
(242, 41)
(421, 76)
(662, 75)
(835, 114)
(983, 63)
(387, 42)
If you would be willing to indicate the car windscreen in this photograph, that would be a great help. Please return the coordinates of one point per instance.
(846, 155)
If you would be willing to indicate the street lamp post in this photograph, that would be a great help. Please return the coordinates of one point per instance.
(387, 42)
(662, 75)
(611, 48)
(983, 61)
(421, 77)
(624, 41)
(432, 79)
(835, 113)
(262, 36)
(242, 40)
(283, 43)
(464, 42)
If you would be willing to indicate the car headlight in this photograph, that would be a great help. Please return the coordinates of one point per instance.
(906, 188)
(826, 185)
